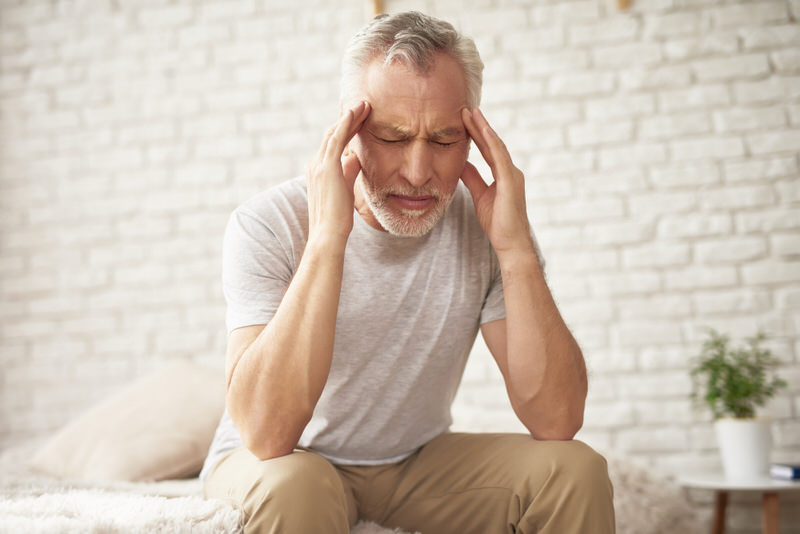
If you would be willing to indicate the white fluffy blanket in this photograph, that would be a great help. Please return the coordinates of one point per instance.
(35, 504)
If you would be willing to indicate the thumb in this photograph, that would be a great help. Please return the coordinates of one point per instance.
(350, 169)
(473, 180)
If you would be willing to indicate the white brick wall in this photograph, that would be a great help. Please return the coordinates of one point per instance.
(660, 147)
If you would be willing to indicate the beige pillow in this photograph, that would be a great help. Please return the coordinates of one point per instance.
(156, 428)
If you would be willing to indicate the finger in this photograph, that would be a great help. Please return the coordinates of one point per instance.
(324, 144)
(477, 135)
(497, 148)
(342, 134)
(350, 169)
(358, 121)
(473, 180)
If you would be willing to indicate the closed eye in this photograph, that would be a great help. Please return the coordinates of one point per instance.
(445, 144)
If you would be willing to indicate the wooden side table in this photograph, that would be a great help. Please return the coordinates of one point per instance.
(769, 488)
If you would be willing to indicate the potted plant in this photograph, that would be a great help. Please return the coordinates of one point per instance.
(732, 382)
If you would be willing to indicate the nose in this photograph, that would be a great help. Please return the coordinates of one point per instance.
(418, 165)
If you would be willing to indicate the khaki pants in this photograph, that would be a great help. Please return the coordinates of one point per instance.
(457, 483)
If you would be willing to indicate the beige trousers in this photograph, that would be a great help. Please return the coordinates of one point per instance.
(457, 483)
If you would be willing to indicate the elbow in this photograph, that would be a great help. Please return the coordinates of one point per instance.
(562, 429)
(265, 449)
(266, 444)
(552, 423)
(265, 435)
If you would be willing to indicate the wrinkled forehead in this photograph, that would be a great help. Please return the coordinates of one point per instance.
(409, 99)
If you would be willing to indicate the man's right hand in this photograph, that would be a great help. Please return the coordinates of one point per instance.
(330, 179)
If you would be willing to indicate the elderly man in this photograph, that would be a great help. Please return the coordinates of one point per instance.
(354, 296)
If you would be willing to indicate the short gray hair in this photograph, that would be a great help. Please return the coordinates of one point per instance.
(412, 38)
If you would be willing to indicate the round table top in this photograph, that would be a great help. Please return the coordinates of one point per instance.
(717, 481)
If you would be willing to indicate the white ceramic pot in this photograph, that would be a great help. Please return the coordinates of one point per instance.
(745, 446)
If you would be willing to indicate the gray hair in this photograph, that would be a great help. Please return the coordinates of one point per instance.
(412, 38)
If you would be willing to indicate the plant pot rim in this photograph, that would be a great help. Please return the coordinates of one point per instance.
(757, 419)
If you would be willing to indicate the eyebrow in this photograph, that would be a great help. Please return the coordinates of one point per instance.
(399, 131)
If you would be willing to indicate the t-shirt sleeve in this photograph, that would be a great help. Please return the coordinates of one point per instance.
(494, 306)
(256, 270)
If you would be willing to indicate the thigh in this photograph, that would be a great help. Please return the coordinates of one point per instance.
(301, 491)
(497, 483)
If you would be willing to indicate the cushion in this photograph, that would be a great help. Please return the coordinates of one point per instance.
(159, 427)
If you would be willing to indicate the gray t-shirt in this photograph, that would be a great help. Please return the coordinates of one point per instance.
(409, 312)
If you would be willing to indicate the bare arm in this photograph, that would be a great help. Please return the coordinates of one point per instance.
(540, 360)
(276, 372)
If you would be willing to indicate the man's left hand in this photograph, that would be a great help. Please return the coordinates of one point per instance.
(500, 207)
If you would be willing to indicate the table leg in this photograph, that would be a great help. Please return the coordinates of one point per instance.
(720, 503)
(771, 510)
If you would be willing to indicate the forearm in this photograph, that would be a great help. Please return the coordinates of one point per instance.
(547, 375)
(279, 378)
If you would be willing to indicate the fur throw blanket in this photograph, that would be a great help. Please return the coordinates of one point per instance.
(33, 503)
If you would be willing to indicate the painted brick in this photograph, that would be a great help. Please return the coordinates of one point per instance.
(620, 106)
(582, 261)
(745, 119)
(640, 153)
(620, 29)
(175, 15)
(788, 190)
(596, 133)
(649, 205)
(768, 220)
(582, 84)
(621, 181)
(786, 60)
(742, 66)
(771, 272)
(542, 38)
(771, 142)
(750, 14)
(594, 209)
(694, 225)
(773, 89)
(547, 113)
(727, 301)
(623, 55)
(703, 46)
(685, 174)
(794, 114)
(631, 283)
(768, 36)
(654, 307)
(785, 244)
(670, 126)
(760, 169)
(545, 63)
(581, 10)
(608, 415)
(664, 385)
(733, 197)
(716, 147)
(663, 411)
(730, 250)
(700, 96)
(559, 162)
(662, 358)
(698, 277)
(656, 255)
(654, 78)
(615, 233)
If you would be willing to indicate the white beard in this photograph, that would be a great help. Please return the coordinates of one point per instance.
(404, 222)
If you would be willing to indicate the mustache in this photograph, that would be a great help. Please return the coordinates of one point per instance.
(410, 192)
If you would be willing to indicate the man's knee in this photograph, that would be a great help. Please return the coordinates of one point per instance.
(577, 465)
(286, 490)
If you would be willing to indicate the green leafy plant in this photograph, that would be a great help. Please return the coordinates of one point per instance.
(731, 381)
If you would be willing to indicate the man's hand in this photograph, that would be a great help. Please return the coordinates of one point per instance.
(500, 207)
(330, 178)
